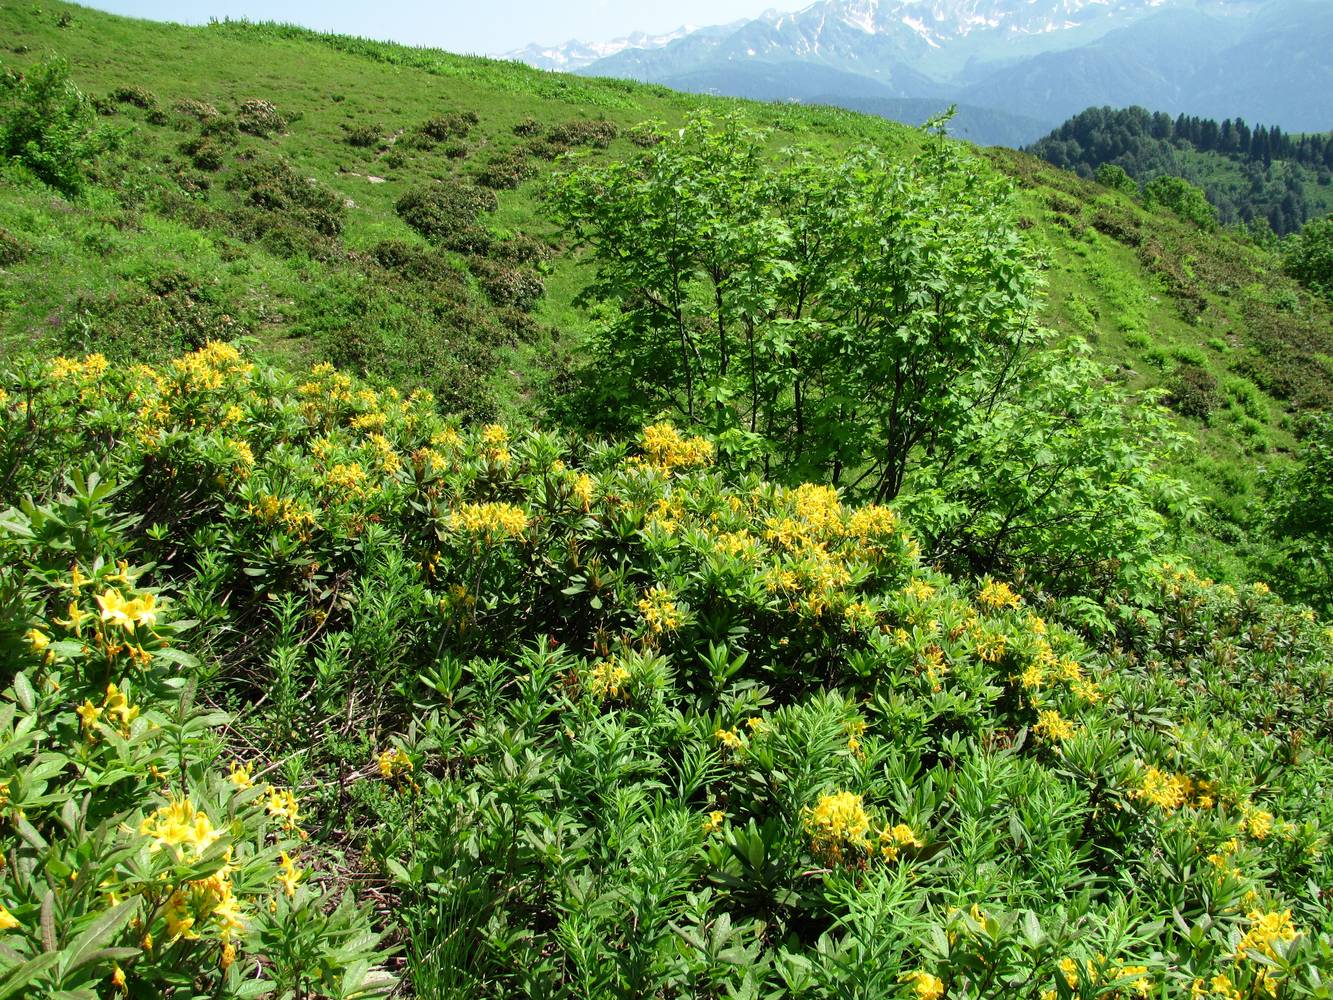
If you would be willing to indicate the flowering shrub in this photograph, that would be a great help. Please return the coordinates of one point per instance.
(134, 864)
(610, 722)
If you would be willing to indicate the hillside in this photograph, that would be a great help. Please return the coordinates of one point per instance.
(467, 531)
(220, 237)
(1248, 173)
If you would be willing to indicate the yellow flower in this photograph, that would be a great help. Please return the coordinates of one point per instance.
(88, 715)
(491, 521)
(7, 921)
(179, 824)
(37, 640)
(838, 824)
(659, 611)
(664, 448)
(1053, 726)
(997, 596)
(394, 763)
(927, 986)
(282, 805)
(240, 775)
(118, 976)
(1258, 823)
(730, 739)
(290, 874)
(714, 821)
(115, 609)
(608, 680)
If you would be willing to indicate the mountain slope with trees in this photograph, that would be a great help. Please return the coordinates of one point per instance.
(1249, 172)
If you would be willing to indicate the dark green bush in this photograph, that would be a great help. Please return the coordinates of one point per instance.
(445, 209)
(261, 118)
(1192, 392)
(517, 287)
(204, 152)
(528, 127)
(201, 110)
(11, 250)
(1308, 256)
(505, 171)
(137, 96)
(451, 126)
(363, 136)
(290, 214)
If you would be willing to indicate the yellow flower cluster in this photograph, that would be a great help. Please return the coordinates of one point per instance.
(1051, 725)
(490, 521)
(1170, 792)
(996, 596)
(665, 449)
(177, 825)
(294, 517)
(839, 828)
(495, 444)
(281, 804)
(607, 680)
(714, 822)
(1266, 930)
(115, 706)
(1101, 973)
(659, 610)
(120, 613)
(394, 763)
(924, 985)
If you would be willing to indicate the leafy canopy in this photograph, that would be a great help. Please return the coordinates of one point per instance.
(865, 323)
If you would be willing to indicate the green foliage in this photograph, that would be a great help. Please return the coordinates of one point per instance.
(49, 126)
(611, 724)
(134, 865)
(866, 324)
(1113, 176)
(1300, 516)
(1183, 198)
(1309, 256)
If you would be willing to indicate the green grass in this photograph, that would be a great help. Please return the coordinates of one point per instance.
(1141, 286)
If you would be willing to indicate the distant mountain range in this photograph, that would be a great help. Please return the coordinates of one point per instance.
(1018, 66)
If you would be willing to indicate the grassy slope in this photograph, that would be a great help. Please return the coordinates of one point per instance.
(1145, 289)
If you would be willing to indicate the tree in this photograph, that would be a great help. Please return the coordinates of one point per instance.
(1113, 176)
(1300, 517)
(862, 322)
(1183, 198)
(49, 126)
(1308, 256)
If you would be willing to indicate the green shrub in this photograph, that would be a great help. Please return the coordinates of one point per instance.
(1113, 176)
(200, 110)
(137, 96)
(441, 210)
(49, 126)
(274, 192)
(11, 250)
(1182, 198)
(363, 136)
(1192, 392)
(519, 287)
(260, 118)
(506, 170)
(1308, 256)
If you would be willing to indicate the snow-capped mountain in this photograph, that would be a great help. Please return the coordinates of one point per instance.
(574, 54)
(1042, 60)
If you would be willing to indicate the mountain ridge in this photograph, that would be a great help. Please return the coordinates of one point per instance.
(1040, 59)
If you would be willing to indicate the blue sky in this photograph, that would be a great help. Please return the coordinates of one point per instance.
(486, 26)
